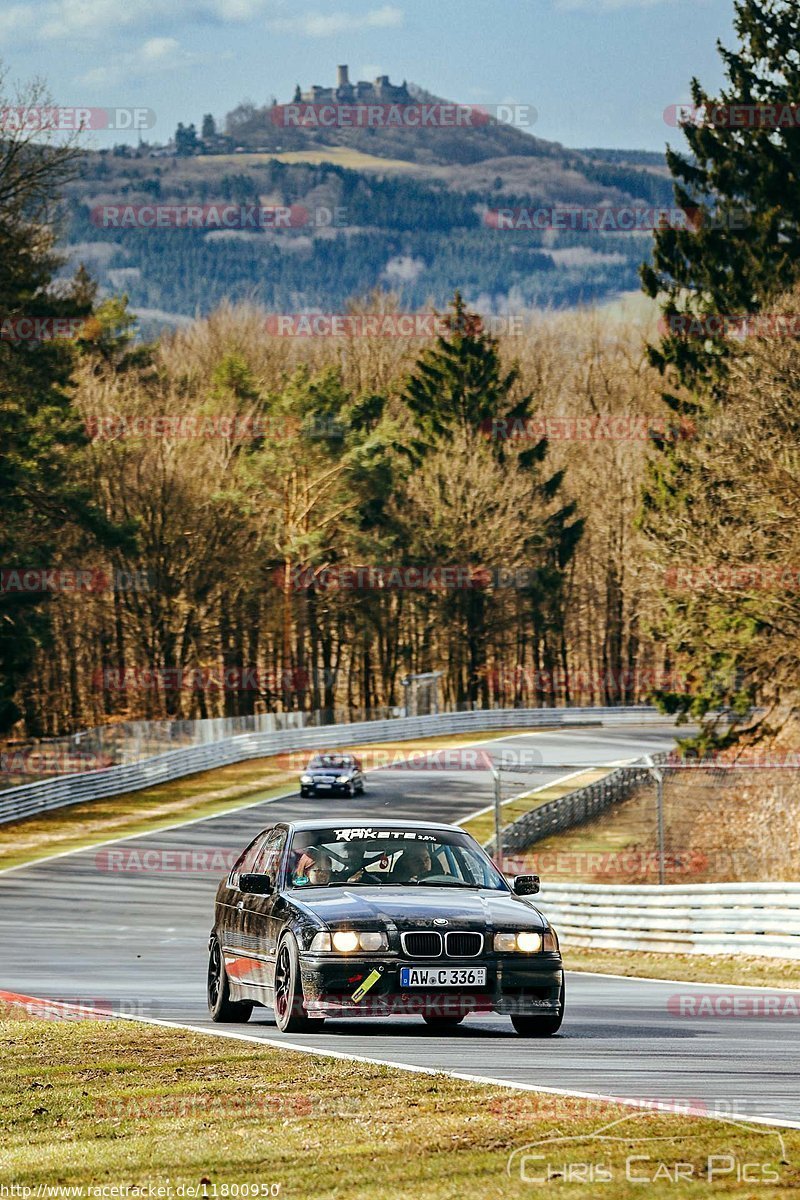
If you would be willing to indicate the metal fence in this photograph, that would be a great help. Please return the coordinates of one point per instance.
(670, 821)
(723, 918)
(126, 742)
(577, 807)
(47, 794)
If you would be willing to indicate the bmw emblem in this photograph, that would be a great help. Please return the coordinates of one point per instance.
(440, 920)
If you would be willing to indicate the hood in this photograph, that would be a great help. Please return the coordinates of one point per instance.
(415, 907)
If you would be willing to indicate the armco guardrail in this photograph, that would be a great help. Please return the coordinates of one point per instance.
(576, 807)
(699, 918)
(47, 794)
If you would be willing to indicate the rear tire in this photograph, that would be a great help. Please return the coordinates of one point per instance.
(220, 1005)
(288, 999)
(533, 1026)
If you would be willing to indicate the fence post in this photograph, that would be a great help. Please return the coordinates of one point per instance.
(498, 817)
(658, 776)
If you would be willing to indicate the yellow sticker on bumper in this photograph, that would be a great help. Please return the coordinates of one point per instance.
(364, 987)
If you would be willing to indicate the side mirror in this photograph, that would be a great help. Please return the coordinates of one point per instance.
(255, 885)
(526, 885)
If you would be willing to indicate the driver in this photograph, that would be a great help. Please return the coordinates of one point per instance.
(352, 868)
(414, 862)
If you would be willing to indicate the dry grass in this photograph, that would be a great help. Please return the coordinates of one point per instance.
(340, 156)
(87, 1103)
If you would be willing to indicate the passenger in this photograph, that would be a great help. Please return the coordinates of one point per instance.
(319, 873)
(313, 868)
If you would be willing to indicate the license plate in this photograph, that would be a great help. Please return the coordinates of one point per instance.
(436, 977)
(324, 785)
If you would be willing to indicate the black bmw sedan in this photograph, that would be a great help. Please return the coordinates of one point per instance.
(331, 775)
(390, 918)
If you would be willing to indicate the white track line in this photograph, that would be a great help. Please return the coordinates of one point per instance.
(414, 1069)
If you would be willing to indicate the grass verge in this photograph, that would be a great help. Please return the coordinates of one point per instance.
(80, 826)
(91, 1103)
(693, 968)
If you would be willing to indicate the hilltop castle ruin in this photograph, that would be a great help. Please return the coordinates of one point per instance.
(363, 92)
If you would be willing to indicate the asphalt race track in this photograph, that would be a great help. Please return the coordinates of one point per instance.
(79, 928)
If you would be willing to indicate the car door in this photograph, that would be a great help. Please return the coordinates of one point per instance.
(260, 925)
(230, 916)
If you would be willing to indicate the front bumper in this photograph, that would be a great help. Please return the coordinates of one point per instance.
(331, 789)
(515, 984)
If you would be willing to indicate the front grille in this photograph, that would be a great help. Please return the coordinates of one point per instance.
(422, 944)
(463, 945)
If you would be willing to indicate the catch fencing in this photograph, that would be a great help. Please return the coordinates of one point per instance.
(47, 794)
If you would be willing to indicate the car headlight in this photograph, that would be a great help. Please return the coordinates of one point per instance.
(342, 778)
(524, 942)
(550, 940)
(306, 779)
(348, 940)
(345, 941)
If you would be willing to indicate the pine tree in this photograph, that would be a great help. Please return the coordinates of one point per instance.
(739, 188)
(739, 253)
(457, 391)
(39, 429)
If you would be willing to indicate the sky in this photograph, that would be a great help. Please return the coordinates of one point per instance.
(598, 72)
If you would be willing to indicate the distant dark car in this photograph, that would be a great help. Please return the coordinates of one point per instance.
(332, 774)
(388, 918)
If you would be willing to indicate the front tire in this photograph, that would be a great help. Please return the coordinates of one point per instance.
(533, 1026)
(220, 1005)
(288, 999)
(304, 792)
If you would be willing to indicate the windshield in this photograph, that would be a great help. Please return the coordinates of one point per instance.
(378, 856)
(330, 761)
